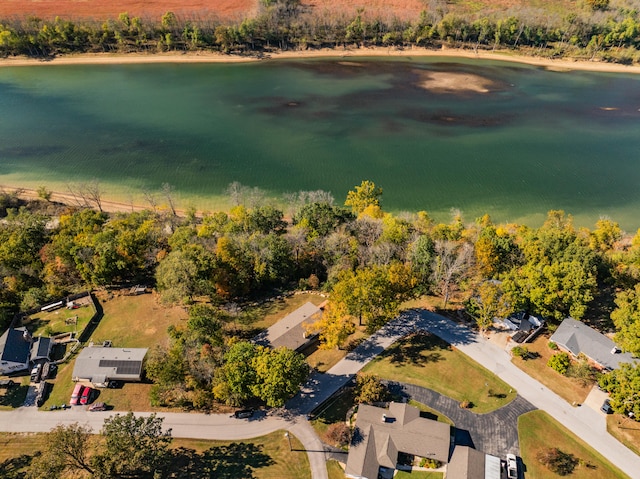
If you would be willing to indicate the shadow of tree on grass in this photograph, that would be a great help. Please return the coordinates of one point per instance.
(417, 349)
(235, 461)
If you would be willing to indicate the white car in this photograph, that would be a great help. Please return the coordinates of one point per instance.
(512, 466)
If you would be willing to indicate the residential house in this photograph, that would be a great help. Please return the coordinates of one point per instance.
(15, 347)
(575, 337)
(292, 330)
(99, 365)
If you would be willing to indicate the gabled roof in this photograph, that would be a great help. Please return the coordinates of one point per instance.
(41, 348)
(466, 463)
(15, 345)
(290, 331)
(382, 433)
(99, 365)
(577, 337)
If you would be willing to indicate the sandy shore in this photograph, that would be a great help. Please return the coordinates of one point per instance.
(204, 57)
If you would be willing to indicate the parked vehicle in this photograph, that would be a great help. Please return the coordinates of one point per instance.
(98, 406)
(76, 394)
(606, 407)
(512, 466)
(36, 373)
(85, 398)
(243, 413)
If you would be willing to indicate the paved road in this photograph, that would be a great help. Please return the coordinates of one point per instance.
(321, 387)
(214, 426)
(586, 423)
(494, 433)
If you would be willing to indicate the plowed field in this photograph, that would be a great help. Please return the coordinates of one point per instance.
(151, 9)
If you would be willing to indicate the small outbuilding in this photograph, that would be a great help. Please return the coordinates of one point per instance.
(41, 349)
(575, 337)
(99, 365)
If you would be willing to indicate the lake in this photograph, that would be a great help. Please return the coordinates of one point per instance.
(502, 138)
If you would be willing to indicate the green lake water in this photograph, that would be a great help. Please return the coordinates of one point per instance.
(538, 140)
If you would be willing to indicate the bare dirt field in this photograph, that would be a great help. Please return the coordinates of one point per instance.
(147, 9)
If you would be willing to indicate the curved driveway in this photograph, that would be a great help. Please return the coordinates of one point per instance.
(495, 432)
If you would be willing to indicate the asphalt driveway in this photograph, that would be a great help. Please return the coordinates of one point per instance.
(494, 433)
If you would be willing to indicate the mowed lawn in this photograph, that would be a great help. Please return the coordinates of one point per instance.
(570, 389)
(428, 361)
(266, 457)
(128, 321)
(537, 431)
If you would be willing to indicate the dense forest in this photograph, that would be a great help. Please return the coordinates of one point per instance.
(368, 260)
(595, 30)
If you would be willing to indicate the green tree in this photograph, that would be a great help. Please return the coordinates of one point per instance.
(365, 195)
(236, 379)
(488, 303)
(626, 318)
(206, 321)
(370, 389)
(175, 277)
(559, 274)
(279, 374)
(623, 385)
(66, 452)
(134, 447)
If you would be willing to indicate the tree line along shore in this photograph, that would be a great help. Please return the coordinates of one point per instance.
(369, 261)
(597, 30)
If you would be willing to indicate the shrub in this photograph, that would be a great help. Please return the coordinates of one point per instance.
(561, 463)
(559, 362)
(520, 352)
(339, 434)
(429, 463)
(369, 389)
(552, 345)
(466, 404)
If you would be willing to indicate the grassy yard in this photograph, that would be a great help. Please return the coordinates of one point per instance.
(418, 475)
(14, 397)
(136, 321)
(571, 389)
(266, 457)
(625, 430)
(61, 320)
(534, 430)
(128, 321)
(334, 470)
(427, 361)
(334, 412)
(431, 413)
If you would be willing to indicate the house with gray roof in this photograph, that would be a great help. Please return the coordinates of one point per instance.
(98, 365)
(469, 463)
(575, 337)
(15, 348)
(292, 330)
(380, 434)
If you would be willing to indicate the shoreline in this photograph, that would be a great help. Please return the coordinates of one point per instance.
(378, 52)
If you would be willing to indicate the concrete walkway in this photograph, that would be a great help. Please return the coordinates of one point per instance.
(584, 422)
